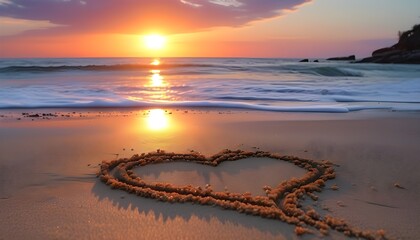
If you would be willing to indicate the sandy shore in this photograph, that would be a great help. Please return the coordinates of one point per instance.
(49, 190)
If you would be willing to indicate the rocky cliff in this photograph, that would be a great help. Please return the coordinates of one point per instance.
(407, 50)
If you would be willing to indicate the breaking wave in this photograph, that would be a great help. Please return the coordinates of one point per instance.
(326, 71)
(257, 84)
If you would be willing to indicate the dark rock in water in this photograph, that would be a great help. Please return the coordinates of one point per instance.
(348, 58)
(316, 60)
(408, 57)
(407, 50)
(304, 60)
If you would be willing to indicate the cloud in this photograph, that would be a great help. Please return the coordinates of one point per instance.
(141, 16)
(5, 2)
(12, 26)
(227, 3)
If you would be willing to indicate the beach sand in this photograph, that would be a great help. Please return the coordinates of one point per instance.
(49, 189)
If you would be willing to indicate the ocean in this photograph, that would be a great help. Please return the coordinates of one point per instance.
(246, 83)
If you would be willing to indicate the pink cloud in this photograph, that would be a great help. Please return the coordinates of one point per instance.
(139, 16)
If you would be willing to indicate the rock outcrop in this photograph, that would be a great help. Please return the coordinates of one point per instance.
(349, 58)
(407, 50)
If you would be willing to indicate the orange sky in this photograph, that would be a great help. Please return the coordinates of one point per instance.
(201, 28)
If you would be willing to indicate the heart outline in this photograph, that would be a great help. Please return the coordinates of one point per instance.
(281, 203)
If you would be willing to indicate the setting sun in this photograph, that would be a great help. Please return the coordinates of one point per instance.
(154, 41)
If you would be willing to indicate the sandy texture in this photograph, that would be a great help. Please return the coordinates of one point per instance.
(247, 175)
(48, 187)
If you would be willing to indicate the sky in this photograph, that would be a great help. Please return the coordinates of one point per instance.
(202, 28)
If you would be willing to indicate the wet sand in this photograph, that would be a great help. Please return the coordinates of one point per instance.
(49, 189)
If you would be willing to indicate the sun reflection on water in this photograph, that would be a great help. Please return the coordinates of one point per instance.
(155, 62)
(156, 79)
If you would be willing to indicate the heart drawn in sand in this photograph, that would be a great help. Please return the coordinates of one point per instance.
(282, 202)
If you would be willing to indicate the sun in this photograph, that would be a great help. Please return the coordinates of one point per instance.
(154, 41)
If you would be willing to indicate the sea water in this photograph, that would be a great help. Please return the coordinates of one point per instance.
(260, 84)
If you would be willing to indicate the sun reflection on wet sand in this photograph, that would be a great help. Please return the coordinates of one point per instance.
(157, 120)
